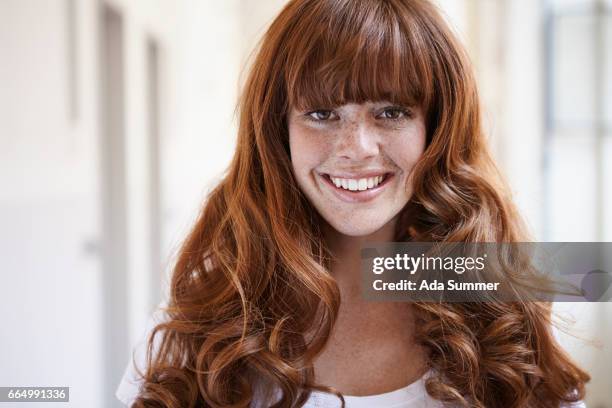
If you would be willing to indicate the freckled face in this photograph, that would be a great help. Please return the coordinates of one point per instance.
(354, 162)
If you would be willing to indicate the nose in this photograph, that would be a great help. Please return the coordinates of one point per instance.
(358, 142)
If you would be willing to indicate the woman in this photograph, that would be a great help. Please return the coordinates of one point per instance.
(359, 122)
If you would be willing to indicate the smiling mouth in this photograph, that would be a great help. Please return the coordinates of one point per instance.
(357, 185)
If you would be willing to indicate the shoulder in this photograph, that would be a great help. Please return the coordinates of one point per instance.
(131, 382)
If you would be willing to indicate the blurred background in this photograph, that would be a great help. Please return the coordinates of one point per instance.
(117, 117)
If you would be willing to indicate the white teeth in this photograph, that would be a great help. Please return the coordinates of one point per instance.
(357, 184)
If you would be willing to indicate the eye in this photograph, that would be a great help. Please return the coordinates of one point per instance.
(321, 115)
(394, 113)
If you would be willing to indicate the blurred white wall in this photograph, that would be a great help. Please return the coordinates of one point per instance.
(51, 302)
(70, 324)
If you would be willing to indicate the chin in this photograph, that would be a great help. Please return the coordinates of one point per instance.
(356, 229)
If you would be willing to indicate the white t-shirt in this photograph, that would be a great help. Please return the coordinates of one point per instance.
(412, 396)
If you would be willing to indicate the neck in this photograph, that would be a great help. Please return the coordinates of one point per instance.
(346, 253)
(379, 335)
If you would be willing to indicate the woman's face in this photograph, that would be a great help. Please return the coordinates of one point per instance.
(354, 162)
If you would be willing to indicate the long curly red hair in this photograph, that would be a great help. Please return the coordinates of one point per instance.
(252, 277)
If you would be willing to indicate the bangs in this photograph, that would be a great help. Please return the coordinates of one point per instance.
(355, 53)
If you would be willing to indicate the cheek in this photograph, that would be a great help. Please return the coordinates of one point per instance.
(406, 149)
(307, 150)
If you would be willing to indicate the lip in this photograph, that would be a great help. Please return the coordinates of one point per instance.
(367, 174)
(357, 196)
